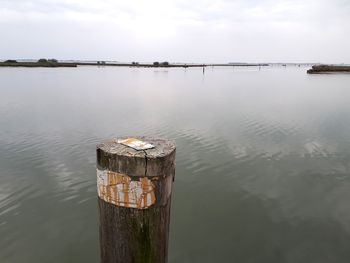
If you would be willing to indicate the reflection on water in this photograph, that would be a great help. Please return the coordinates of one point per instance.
(263, 160)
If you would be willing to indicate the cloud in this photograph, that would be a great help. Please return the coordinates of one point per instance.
(217, 30)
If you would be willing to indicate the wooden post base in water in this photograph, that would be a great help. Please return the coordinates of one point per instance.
(134, 189)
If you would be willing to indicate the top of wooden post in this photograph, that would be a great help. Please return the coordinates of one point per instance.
(114, 156)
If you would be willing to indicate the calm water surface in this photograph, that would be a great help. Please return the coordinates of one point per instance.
(263, 160)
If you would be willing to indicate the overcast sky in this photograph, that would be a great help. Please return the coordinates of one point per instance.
(178, 30)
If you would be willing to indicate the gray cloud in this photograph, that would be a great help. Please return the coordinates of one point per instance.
(179, 30)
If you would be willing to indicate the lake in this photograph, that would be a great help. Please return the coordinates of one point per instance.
(262, 167)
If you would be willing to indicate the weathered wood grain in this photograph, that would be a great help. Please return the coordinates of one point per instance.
(132, 235)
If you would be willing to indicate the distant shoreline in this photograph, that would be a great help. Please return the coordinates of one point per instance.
(136, 65)
(147, 65)
(326, 69)
(38, 64)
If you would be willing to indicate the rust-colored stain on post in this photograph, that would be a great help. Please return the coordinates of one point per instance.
(119, 189)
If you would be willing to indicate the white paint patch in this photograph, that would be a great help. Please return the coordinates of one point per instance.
(119, 189)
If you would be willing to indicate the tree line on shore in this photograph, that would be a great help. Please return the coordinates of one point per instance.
(42, 60)
(156, 64)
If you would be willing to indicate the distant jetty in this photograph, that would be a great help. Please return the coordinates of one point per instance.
(324, 69)
(165, 65)
(53, 63)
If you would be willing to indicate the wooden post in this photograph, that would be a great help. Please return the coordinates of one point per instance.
(134, 189)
